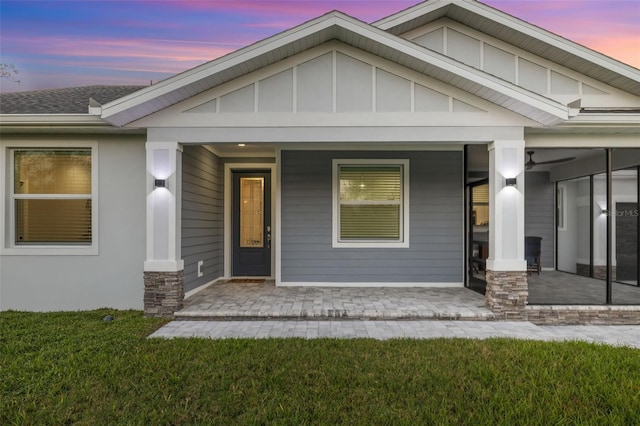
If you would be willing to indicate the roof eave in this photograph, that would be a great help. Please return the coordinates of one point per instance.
(57, 123)
(335, 25)
(51, 119)
(115, 111)
(625, 72)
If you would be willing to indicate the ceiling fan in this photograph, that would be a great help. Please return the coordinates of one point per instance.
(531, 164)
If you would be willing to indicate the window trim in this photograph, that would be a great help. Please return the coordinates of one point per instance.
(404, 204)
(7, 212)
(561, 207)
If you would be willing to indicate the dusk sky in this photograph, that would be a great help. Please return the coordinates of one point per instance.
(84, 42)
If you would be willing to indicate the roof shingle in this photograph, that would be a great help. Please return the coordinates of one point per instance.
(72, 100)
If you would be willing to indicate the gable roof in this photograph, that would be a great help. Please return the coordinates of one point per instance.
(334, 25)
(72, 100)
(518, 33)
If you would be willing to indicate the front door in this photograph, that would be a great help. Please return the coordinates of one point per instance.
(251, 223)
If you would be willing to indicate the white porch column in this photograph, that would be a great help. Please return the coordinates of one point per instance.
(163, 267)
(507, 289)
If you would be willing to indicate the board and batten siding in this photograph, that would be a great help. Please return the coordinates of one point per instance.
(539, 208)
(202, 215)
(435, 254)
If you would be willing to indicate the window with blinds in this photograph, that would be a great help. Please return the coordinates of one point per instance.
(52, 196)
(370, 203)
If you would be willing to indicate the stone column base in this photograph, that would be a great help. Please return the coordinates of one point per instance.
(163, 293)
(506, 294)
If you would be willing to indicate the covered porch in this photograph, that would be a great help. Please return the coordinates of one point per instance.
(568, 298)
(261, 299)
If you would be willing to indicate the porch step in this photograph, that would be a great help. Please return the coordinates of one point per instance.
(329, 315)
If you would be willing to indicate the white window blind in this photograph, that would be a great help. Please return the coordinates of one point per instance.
(52, 196)
(370, 203)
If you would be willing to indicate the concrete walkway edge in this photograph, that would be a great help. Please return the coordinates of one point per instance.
(389, 329)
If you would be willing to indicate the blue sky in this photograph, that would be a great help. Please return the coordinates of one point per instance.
(59, 43)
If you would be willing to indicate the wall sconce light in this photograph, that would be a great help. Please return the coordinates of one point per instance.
(511, 181)
(159, 183)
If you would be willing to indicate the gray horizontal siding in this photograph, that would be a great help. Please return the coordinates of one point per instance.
(539, 205)
(435, 252)
(202, 215)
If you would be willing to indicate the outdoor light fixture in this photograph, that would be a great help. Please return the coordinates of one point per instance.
(160, 183)
(511, 181)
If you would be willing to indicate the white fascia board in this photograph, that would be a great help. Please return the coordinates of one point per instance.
(581, 140)
(203, 71)
(549, 37)
(553, 112)
(631, 119)
(474, 75)
(407, 15)
(51, 120)
(516, 24)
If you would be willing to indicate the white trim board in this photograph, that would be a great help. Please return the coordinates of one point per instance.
(203, 286)
(7, 237)
(369, 284)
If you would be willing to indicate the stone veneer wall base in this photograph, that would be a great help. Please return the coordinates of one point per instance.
(582, 315)
(163, 293)
(506, 294)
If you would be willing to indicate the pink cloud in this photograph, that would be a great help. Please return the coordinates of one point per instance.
(97, 50)
(293, 10)
(611, 28)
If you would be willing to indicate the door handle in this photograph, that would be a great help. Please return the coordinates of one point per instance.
(268, 236)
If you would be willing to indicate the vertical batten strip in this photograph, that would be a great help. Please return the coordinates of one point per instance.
(412, 94)
(294, 91)
(444, 41)
(374, 106)
(335, 80)
(256, 92)
(548, 81)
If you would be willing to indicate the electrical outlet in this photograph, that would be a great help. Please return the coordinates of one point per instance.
(200, 268)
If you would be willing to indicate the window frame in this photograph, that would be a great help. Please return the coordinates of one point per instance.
(8, 244)
(561, 207)
(403, 241)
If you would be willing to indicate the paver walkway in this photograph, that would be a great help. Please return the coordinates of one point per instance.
(266, 301)
(388, 329)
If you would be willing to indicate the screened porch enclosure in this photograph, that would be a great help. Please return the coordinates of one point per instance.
(566, 207)
(598, 226)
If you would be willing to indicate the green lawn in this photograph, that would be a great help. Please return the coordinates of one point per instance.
(73, 368)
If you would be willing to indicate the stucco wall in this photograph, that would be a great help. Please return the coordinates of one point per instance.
(113, 278)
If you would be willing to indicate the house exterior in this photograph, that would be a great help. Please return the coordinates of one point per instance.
(337, 153)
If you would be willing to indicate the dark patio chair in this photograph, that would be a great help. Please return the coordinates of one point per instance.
(532, 250)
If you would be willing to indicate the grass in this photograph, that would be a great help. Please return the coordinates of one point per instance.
(73, 368)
